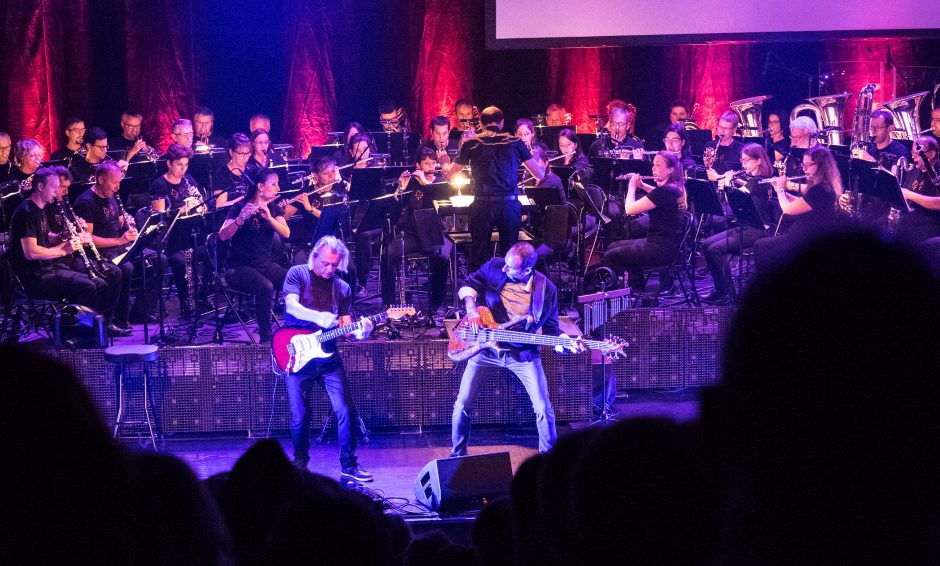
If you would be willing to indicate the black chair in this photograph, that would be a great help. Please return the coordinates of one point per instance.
(217, 251)
(560, 223)
(681, 268)
(24, 315)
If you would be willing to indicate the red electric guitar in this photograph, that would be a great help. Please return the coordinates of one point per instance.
(293, 348)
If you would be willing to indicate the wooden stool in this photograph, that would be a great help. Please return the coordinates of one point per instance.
(120, 356)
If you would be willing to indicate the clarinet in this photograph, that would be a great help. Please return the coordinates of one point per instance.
(73, 234)
(128, 219)
(80, 222)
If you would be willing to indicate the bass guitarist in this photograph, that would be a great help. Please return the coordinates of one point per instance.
(511, 288)
(314, 298)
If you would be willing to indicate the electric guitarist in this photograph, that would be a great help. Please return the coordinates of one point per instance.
(510, 288)
(316, 299)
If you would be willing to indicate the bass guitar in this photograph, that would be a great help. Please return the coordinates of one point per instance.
(294, 348)
(465, 342)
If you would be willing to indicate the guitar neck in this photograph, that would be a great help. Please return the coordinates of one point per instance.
(497, 335)
(341, 330)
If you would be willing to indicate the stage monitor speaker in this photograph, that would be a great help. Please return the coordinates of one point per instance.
(79, 327)
(463, 483)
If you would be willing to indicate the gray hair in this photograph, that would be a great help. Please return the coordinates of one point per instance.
(526, 254)
(333, 244)
(804, 123)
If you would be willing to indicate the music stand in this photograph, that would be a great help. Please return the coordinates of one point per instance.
(889, 190)
(366, 183)
(333, 222)
(549, 135)
(400, 146)
(387, 207)
(703, 197)
(544, 196)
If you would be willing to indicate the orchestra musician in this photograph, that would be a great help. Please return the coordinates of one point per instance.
(27, 158)
(259, 122)
(676, 140)
(885, 151)
(678, 113)
(351, 130)
(329, 187)
(719, 247)
(359, 151)
(555, 115)
(260, 156)
(569, 146)
(525, 131)
(935, 123)
(6, 164)
(407, 232)
(178, 193)
(727, 149)
(440, 141)
(922, 191)
(494, 158)
(510, 286)
(550, 180)
(619, 123)
(776, 129)
(112, 234)
(392, 117)
(814, 212)
(41, 258)
(231, 179)
(74, 130)
(316, 299)
(96, 152)
(466, 118)
(130, 140)
(203, 124)
(802, 137)
(666, 221)
(250, 226)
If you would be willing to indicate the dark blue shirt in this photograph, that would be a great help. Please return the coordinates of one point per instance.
(314, 292)
(494, 158)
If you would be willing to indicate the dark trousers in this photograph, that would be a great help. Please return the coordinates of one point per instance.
(364, 241)
(439, 266)
(333, 376)
(63, 282)
(144, 304)
(506, 215)
(261, 283)
(719, 248)
(633, 255)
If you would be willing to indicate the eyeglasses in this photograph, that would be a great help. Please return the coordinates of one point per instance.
(36, 156)
(76, 130)
(666, 140)
(879, 127)
(618, 123)
(242, 153)
(104, 147)
(773, 121)
(189, 133)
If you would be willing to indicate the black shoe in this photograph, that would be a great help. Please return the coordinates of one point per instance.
(715, 297)
(362, 292)
(301, 463)
(120, 331)
(357, 473)
(265, 339)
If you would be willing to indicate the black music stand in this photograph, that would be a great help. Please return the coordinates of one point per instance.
(365, 184)
(887, 187)
(703, 197)
(147, 234)
(549, 135)
(400, 146)
(334, 221)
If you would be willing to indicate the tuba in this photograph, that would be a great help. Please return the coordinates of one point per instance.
(749, 115)
(829, 112)
(906, 113)
(861, 128)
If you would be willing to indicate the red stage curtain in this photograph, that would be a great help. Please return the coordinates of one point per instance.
(446, 56)
(161, 81)
(310, 109)
(45, 68)
(582, 80)
(711, 76)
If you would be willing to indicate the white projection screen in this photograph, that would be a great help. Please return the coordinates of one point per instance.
(515, 24)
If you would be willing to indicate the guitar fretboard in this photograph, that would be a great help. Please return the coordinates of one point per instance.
(496, 335)
(328, 335)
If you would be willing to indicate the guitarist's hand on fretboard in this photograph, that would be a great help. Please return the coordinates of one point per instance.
(576, 345)
(363, 331)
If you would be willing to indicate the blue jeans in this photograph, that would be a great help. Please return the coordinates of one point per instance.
(478, 370)
(333, 376)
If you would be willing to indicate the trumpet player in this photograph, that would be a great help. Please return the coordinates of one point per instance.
(96, 152)
(727, 150)
(250, 227)
(922, 190)
(555, 115)
(619, 125)
(467, 119)
(392, 117)
(130, 139)
(39, 257)
(203, 124)
(440, 141)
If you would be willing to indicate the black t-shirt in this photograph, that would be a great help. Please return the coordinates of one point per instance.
(553, 181)
(729, 156)
(103, 213)
(782, 147)
(119, 142)
(29, 221)
(921, 223)
(174, 193)
(82, 170)
(494, 158)
(603, 145)
(5, 170)
(314, 292)
(822, 200)
(64, 154)
(895, 148)
(252, 243)
(228, 182)
(794, 161)
(666, 219)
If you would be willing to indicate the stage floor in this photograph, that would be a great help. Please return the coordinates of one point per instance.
(396, 458)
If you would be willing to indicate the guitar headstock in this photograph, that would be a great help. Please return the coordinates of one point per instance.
(399, 312)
